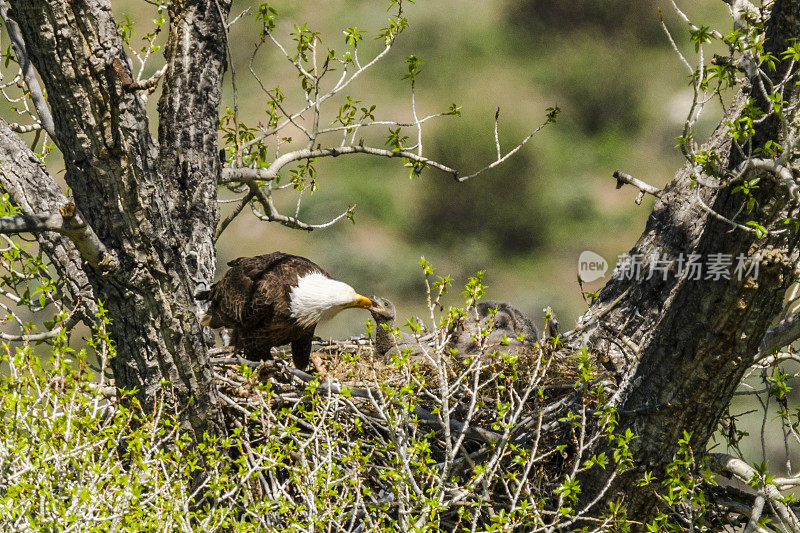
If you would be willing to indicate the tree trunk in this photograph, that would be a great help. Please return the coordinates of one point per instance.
(152, 204)
(685, 344)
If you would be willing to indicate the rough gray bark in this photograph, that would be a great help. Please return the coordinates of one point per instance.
(686, 342)
(187, 129)
(151, 204)
(25, 179)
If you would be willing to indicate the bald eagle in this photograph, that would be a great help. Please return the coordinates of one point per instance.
(276, 299)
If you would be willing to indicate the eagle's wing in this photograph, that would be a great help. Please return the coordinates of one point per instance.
(256, 288)
(273, 290)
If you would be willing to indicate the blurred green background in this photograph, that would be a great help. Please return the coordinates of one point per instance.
(623, 93)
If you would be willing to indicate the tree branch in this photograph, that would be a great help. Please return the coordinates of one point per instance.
(273, 215)
(782, 172)
(34, 191)
(32, 223)
(244, 175)
(729, 465)
(781, 334)
(550, 119)
(643, 187)
(37, 96)
(68, 223)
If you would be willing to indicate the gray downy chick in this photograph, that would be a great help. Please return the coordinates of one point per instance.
(387, 343)
(509, 324)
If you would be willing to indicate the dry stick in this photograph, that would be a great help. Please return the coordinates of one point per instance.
(238, 209)
(509, 154)
(480, 434)
(272, 215)
(643, 187)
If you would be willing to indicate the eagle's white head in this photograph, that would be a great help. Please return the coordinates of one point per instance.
(318, 297)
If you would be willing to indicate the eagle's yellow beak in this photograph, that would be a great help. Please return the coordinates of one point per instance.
(362, 302)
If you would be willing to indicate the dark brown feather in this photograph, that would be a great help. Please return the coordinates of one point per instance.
(253, 299)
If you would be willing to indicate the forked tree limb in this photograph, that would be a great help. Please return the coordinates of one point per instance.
(230, 175)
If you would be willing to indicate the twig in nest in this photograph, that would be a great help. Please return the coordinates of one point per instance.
(320, 366)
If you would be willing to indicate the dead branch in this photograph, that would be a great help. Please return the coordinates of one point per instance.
(643, 187)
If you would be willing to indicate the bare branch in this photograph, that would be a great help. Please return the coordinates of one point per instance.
(496, 135)
(683, 16)
(727, 464)
(643, 187)
(733, 224)
(68, 223)
(45, 117)
(509, 154)
(245, 11)
(24, 128)
(245, 175)
(238, 209)
(783, 173)
(38, 337)
(32, 223)
(781, 334)
(672, 42)
(272, 215)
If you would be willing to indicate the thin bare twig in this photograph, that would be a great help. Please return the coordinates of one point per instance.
(509, 154)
